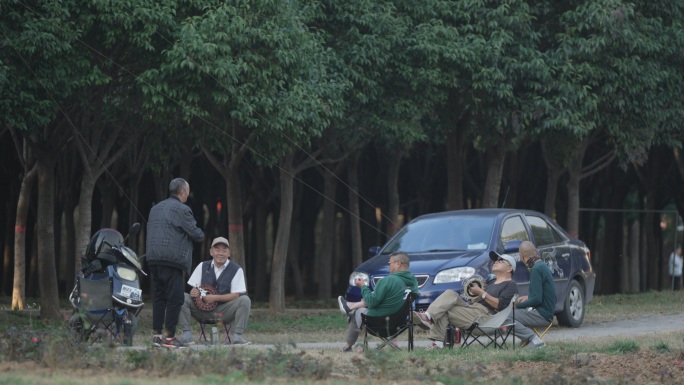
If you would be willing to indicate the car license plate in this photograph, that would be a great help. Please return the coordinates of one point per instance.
(130, 292)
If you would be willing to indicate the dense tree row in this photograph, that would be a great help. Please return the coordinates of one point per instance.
(311, 130)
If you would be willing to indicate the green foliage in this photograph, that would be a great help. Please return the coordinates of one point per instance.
(238, 74)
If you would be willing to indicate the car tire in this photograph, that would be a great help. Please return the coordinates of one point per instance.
(574, 306)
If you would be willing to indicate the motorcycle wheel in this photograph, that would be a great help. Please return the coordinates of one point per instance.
(129, 329)
(75, 325)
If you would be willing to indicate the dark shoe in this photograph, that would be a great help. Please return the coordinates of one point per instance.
(238, 340)
(344, 308)
(347, 349)
(423, 320)
(157, 341)
(171, 343)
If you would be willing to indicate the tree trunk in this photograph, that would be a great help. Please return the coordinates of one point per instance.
(236, 234)
(655, 255)
(85, 216)
(552, 177)
(108, 194)
(455, 157)
(71, 254)
(328, 233)
(293, 254)
(495, 165)
(260, 271)
(47, 273)
(19, 286)
(629, 279)
(573, 186)
(393, 168)
(354, 211)
(276, 301)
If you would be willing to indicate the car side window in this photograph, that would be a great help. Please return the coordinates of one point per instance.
(513, 229)
(544, 234)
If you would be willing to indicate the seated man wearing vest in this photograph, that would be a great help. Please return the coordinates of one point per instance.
(233, 304)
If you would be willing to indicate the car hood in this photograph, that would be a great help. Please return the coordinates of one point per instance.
(423, 263)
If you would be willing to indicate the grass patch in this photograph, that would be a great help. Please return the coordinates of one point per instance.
(285, 363)
(294, 322)
(621, 347)
(613, 307)
(661, 347)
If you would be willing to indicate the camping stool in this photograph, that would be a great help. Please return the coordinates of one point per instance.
(545, 330)
(214, 321)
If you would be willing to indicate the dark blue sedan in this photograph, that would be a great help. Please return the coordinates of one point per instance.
(448, 248)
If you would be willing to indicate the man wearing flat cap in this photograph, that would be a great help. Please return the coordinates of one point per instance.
(450, 308)
(232, 303)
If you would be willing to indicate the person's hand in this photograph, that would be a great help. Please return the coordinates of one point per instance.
(194, 293)
(209, 298)
(477, 290)
(522, 299)
(358, 281)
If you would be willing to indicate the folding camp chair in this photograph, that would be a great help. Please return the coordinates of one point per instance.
(215, 321)
(389, 327)
(95, 309)
(493, 329)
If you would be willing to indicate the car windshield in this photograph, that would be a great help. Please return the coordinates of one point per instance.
(443, 234)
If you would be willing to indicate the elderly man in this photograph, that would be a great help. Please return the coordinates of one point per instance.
(449, 307)
(387, 298)
(541, 300)
(171, 230)
(233, 305)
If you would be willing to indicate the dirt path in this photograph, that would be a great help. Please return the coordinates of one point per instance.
(637, 326)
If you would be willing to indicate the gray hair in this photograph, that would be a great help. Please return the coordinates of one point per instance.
(402, 257)
(176, 186)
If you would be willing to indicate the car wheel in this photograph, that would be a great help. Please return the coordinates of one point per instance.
(574, 307)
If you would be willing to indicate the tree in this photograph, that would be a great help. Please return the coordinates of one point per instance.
(244, 77)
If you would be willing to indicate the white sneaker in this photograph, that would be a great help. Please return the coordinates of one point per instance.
(344, 308)
(238, 340)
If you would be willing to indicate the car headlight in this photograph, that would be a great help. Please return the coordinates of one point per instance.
(456, 274)
(364, 276)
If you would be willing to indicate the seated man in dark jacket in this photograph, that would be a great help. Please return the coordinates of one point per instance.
(541, 300)
(387, 298)
(228, 279)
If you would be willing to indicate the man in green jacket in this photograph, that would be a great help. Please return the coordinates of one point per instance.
(387, 298)
(540, 303)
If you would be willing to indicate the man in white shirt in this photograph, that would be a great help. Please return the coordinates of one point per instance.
(233, 304)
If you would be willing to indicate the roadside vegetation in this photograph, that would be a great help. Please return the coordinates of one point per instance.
(34, 352)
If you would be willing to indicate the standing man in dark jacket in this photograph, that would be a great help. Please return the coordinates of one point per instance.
(541, 300)
(171, 229)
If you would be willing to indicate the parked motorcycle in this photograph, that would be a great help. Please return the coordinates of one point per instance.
(106, 260)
